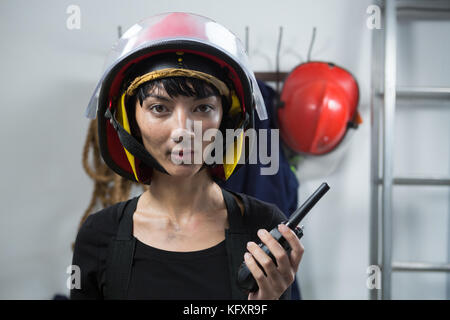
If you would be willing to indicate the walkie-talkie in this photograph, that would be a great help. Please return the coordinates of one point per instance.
(245, 279)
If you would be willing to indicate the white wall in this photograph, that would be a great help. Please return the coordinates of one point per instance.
(49, 73)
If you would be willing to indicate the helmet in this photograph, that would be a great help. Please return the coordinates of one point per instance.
(170, 45)
(318, 104)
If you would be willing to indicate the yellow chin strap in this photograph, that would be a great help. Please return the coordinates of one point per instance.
(122, 118)
(234, 151)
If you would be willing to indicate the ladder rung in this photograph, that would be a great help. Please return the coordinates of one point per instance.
(435, 5)
(421, 92)
(420, 266)
(413, 9)
(420, 181)
(425, 92)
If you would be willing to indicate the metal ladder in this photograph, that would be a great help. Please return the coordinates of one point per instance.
(383, 103)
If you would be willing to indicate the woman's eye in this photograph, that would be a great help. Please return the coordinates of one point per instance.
(158, 108)
(203, 108)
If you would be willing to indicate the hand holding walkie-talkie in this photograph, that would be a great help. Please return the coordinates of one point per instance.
(245, 278)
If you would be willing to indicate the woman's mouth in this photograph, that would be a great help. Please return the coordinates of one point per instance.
(182, 155)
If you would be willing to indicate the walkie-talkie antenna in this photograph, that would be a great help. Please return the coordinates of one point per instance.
(301, 212)
(245, 278)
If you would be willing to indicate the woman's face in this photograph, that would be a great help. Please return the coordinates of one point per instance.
(166, 126)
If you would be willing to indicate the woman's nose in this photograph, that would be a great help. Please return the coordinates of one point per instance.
(183, 127)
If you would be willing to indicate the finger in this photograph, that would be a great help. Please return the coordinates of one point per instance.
(295, 244)
(263, 259)
(283, 263)
(256, 271)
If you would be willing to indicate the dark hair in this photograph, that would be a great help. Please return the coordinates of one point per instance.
(176, 86)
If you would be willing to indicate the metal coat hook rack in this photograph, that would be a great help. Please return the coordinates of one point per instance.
(271, 76)
(277, 76)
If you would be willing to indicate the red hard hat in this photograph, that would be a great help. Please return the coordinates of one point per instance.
(319, 103)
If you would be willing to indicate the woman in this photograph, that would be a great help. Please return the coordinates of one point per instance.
(185, 237)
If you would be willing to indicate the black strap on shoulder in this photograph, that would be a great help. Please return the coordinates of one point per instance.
(236, 238)
(121, 253)
(235, 216)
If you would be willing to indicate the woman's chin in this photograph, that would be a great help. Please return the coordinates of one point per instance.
(182, 170)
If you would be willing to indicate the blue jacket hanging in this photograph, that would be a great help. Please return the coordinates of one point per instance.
(281, 188)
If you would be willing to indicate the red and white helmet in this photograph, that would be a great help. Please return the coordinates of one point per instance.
(319, 104)
(167, 35)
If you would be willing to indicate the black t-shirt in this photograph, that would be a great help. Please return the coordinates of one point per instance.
(153, 269)
(160, 274)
